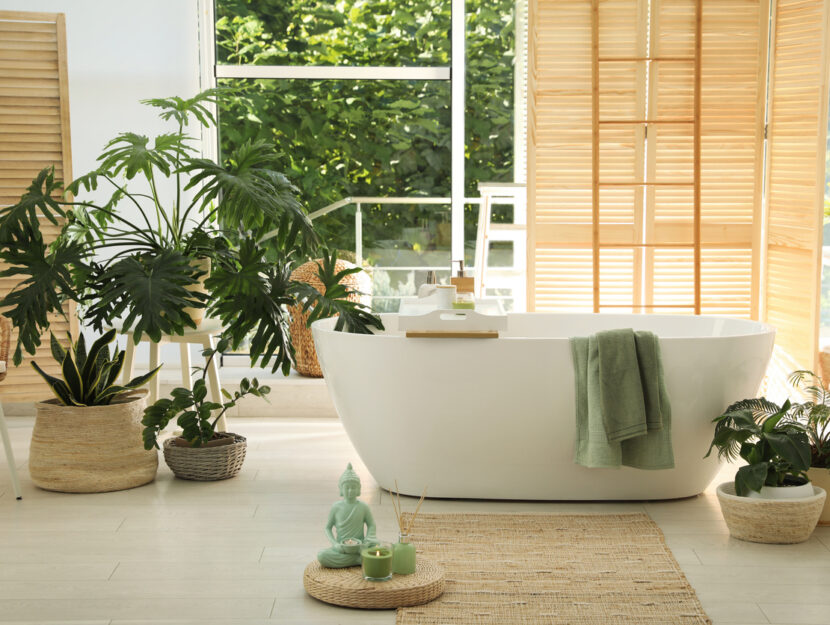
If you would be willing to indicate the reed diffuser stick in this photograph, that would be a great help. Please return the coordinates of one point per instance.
(394, 507)
(400, 510)
(414, 514)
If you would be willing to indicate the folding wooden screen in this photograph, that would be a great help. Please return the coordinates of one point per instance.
(34, 133)
(795, 179)
(646, 153)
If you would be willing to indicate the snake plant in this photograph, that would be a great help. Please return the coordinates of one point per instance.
(89, 375)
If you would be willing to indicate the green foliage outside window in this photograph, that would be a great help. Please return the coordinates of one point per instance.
(387, 138)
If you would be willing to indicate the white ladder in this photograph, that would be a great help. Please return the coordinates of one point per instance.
(513, 277)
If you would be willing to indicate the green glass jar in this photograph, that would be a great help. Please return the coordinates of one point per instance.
(403, 556)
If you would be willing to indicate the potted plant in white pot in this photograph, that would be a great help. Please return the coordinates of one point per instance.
(200, 452)
(771, 499)
(85, 440)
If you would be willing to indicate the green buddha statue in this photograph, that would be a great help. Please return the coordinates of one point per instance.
(347, 518)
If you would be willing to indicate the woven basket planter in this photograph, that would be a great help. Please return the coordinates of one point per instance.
(776, 521)
(91, 449)
(821, 477)
(305, 354)
(206, 464)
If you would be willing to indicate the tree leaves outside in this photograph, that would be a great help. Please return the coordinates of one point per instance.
(386, 138)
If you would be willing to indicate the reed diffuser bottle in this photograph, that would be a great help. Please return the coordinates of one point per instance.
(403, 556)
(403, 551)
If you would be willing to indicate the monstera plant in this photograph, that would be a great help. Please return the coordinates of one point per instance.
(134, 234)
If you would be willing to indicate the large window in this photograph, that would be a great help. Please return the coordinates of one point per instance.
(357, 96)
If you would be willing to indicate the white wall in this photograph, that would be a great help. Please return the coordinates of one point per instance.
(118, 53)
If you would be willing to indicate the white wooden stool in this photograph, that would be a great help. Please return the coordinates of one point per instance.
(202, 335)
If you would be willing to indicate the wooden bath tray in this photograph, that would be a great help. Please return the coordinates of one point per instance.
(452, 324)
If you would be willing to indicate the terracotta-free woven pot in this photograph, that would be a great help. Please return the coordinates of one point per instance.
(206, 464)
(91, 449)
(304, 352)
(821, 478)
(777, 521)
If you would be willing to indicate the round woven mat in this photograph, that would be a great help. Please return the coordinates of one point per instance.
(347, 587)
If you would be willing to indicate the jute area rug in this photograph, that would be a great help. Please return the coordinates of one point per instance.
(552, 569)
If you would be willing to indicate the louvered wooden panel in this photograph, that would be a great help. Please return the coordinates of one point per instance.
(797, 135)
(560, 240)
(731, 121)
(657, 220)
(34, 133)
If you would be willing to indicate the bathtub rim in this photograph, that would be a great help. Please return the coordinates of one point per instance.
(760, 328)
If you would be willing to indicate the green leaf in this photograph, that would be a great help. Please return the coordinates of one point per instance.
(199, 390)
(264, 287)
(750, 478)
(80, 352)
(57, 386)
(129, 152)
(148, 291)
(793, 447)
(44, 282)
(141, 380)
(73, 378)
(250, 194)
(181, 110)
(38, 199)
(770, 423)
(58, 352)
(98, 354)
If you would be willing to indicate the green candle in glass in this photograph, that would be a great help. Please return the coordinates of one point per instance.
(377, 562)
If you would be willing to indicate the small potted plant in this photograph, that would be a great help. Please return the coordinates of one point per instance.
(815, 415)
(771, 499)
(85, 440)
(200, 452)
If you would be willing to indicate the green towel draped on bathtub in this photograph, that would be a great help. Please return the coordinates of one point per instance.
(623, 416)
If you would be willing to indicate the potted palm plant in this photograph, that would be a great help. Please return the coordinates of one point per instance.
(239, 217)
(771, 499)
(815, 415)
(85, 439)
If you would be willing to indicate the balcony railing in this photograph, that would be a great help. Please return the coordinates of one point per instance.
(505, 281)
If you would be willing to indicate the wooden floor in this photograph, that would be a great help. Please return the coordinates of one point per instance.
(233, 552)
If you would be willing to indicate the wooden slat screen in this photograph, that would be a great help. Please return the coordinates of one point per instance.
(651, 241)
(34, 133)
(795, 178)
(559, 160)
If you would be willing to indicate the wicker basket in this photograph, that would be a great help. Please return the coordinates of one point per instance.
(776, 521)
(91, 449)
(821, 477)
(305, 354)
(206, 464)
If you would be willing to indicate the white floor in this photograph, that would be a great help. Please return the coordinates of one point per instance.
(233, 552)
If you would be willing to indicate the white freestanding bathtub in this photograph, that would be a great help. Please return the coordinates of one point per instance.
(494, 418)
